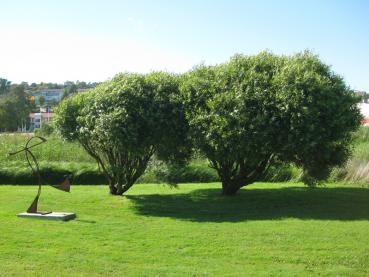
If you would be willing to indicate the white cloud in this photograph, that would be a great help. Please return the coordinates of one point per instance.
(56, 57)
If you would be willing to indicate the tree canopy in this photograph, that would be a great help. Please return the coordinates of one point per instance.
(244, 116)
(254, 111)
(122, 123)
(14, 106)
(4, 86)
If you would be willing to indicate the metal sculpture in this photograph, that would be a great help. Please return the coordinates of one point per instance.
(64, 186)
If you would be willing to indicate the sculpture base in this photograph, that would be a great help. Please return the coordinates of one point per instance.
(49, 215)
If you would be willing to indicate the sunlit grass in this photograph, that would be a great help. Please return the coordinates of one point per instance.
(54, 150)
(266, 230)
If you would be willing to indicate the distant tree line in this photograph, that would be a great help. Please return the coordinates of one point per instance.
(33, 87)
(16, 104)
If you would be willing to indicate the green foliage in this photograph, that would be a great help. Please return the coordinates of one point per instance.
(191, 173)
(4, 86)
(361, 144)
(19, 173)
(60, 157)
(253, 111)
(33, 87)
(281, 172)
(320, 114)
(230, 108)
(356, 170)
(55, 150)
(14, 108)
(8, 122)
(41, 101)
(123, 122)
(70, 89)
(46, 129)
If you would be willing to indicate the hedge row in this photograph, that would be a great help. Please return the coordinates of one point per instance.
(90, 175)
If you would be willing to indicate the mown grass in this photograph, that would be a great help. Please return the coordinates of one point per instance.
(267, 230)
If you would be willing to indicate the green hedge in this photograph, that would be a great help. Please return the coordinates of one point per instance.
(79, 173)
(88, 174)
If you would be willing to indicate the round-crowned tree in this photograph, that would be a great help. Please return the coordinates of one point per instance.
(319, 114)
(122, 123)
(253, 111)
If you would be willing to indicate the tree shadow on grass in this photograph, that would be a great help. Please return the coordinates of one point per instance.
(207, 205)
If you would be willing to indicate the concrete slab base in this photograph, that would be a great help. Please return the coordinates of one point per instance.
(50, 216)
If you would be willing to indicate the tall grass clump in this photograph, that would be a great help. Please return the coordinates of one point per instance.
(58, 158)
(54, 150)
(361, 144)
(356, 170)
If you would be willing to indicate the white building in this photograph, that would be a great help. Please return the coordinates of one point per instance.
(45, 113)
(364, 108)
(36, 119)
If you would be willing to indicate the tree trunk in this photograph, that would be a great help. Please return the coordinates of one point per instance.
(235, 175)
(229, 188)
(118, 188)
(113, 189)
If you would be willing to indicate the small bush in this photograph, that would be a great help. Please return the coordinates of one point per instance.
(282, 173)
(46, 129)
(192, 173)
(355, 171)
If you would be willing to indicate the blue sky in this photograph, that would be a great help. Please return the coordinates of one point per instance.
(55, 41)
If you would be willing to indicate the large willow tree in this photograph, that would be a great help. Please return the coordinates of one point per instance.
(254, 111)
(123, 122)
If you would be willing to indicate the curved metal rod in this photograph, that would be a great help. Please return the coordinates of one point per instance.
(26, 147)
(36, 172)
(35, 167)
(35, 137)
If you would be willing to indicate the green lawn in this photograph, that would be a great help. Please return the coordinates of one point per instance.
(267, 230)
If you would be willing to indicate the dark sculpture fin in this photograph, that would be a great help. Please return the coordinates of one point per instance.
(64, 186)
(33, 207)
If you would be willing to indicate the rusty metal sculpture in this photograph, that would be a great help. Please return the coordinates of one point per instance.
(64, 186)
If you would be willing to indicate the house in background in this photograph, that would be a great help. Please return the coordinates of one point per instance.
(51, 96)
(37, 119)
(45, 113)
(363, 106)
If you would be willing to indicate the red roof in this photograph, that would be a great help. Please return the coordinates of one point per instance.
(365, 121)
(43, 115)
